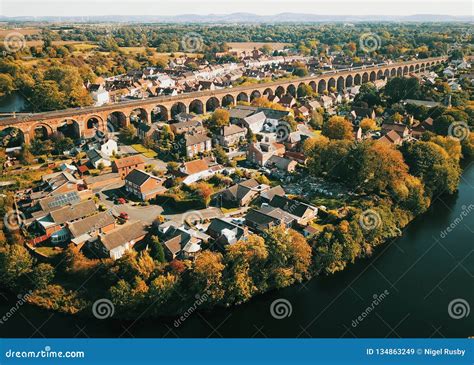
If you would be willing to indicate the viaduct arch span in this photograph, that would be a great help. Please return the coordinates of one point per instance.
(85, 121)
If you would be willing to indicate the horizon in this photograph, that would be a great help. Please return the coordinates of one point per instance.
(268, 8)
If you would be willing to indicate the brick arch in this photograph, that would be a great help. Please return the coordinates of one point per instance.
(255, 94)
(70, 127)
(47, 127)
(357, 79)
(212, 104)
(280, 91)
(243, 96)
(340, 83)
(322, 86)
(291, 89)
(196, 106)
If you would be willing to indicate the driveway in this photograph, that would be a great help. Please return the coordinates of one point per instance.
(146, 214)
(202, 214)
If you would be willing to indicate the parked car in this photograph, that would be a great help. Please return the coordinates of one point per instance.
(123, 216)
(120, 201)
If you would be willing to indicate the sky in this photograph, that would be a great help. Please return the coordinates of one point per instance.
(66, 8)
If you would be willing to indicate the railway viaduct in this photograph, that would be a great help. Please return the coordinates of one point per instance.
(85, 121)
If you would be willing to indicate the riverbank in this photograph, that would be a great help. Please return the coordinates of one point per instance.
(422, 272)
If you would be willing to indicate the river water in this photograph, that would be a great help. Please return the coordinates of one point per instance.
(416, 277)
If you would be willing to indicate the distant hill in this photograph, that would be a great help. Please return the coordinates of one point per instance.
(243, 18)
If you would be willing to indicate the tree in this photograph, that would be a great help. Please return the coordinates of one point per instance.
(15, 263)
(207, 275)
(70, 84)
(204, 191)
(127, 134)
(400, 88)
(219, 118)
(220, 155)
(47, 96)
(338, 128)
(156, 249)
(442, 123)
(316, 120)
(433, 165)
(6, 84)
(42, 275)
(368, 124)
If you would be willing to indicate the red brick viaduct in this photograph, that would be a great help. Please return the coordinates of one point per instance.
(84, 121)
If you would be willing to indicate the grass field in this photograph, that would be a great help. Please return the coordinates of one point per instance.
(145, 151)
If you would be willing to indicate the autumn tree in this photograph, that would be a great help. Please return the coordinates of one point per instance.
(368, 124)
(338, 128)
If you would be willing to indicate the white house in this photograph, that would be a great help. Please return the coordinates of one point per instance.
(100, 96)
(109, 147)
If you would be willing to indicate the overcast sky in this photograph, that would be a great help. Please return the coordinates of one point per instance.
(264, 7)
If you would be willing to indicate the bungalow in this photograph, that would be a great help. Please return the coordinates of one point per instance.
(182, 242)
(281, 163)
(392, 137)
(85, 229)
(115, 242)
(53, 223)
(98, 182)
(143, 185)
(197, 170)
(267, 195)
(124, 166)
(224, 232)
(267, 217)
(402, 129)
(243, 193)
(303, 212)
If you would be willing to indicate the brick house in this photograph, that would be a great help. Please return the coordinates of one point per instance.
(197, 143)
(231, 135)
(143, 185)
(124, 166)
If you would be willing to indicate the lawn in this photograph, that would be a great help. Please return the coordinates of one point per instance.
(145, 151)
(48, 251)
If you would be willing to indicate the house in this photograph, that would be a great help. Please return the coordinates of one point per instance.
(303, 212)
(108, 147)
(260, 152)
(143, 185)
(281, 163)
(184, 117)
(224, 232)
(115, 242)
(183, 243)
(287, 100)
(124, 166)
(326, 101)
(402, 129)
(392, 137)
(97, 159)
(359, 113)
(243, 193)
(99, 94)
(102, 180)
(267, 217)
(198, 169)
(196, 143)
(267, 195)
(146, 130)
(192, 125)
(254, 122)
(231, 135)
(85, 229)
(240, 112)
(53, 223)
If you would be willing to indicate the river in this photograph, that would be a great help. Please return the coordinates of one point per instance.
(419, 274)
